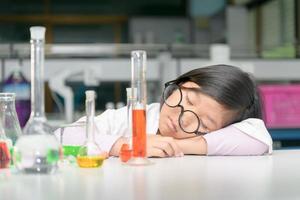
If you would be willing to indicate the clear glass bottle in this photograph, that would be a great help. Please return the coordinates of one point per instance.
(90, 154)
(138, 81)
(37, 149)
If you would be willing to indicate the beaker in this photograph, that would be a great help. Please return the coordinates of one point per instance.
(37, 150)
(90, 154)
(138, 81)
(70, 151)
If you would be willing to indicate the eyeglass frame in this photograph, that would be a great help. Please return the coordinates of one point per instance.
(173, 82)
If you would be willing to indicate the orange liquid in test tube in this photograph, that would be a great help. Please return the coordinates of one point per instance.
(139, 133)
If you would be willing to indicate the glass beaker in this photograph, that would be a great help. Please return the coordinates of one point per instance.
(37, 150)
(69, 152)
(138, 81)
(90, 154)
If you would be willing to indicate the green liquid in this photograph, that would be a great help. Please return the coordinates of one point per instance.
(11, 151)
(52, 156)
(71, 150)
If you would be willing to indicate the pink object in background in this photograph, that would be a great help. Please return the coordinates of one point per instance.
(281, 105)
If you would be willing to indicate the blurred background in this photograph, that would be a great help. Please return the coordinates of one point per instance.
(88, 46)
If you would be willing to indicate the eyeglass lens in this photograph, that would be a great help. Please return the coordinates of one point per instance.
(188, 120)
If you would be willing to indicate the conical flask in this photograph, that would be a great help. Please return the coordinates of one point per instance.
(5, 144)
(37, 150)
(10, 126)
(90, 154)
(10, 122)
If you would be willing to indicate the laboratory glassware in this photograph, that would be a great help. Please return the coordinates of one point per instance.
(17, 83)
(70, 152)
(37, 149)
(5, 144)
(138, 81)
(90, 154)
(10, 122)
(126, 148)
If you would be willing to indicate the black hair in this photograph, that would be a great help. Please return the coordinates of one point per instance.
(228, 85)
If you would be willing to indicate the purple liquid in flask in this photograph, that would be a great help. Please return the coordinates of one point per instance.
(16, 83)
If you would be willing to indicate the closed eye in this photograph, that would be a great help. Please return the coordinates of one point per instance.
(188, 100)
(203, 126)
(200, 133)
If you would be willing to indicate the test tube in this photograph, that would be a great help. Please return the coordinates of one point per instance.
(126, 149)
(138, 81)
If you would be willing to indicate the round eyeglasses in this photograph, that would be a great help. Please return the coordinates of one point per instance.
(188, 121)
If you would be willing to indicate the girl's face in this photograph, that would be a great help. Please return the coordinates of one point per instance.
(212, 115)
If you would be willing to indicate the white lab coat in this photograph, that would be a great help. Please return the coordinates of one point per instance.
(112, 124)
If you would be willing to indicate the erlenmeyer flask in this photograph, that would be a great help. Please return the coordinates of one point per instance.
(90, 154)
(10, 122)
(5, 144)
(37, 150)
(10, 125)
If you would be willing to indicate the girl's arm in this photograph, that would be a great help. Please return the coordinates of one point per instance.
(226, 141)
(195, 145)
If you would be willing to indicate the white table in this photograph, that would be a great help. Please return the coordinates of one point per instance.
(190, 177)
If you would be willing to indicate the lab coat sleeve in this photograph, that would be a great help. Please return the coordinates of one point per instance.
(249, 137)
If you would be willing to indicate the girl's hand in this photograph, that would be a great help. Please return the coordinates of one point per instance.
(160, 146)
(157, 146)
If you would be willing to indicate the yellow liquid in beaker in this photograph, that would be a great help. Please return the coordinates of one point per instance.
(90, 161)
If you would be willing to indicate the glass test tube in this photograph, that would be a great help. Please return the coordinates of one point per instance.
(126, 149)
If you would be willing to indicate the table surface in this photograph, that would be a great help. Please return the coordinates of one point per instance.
(189, 177)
